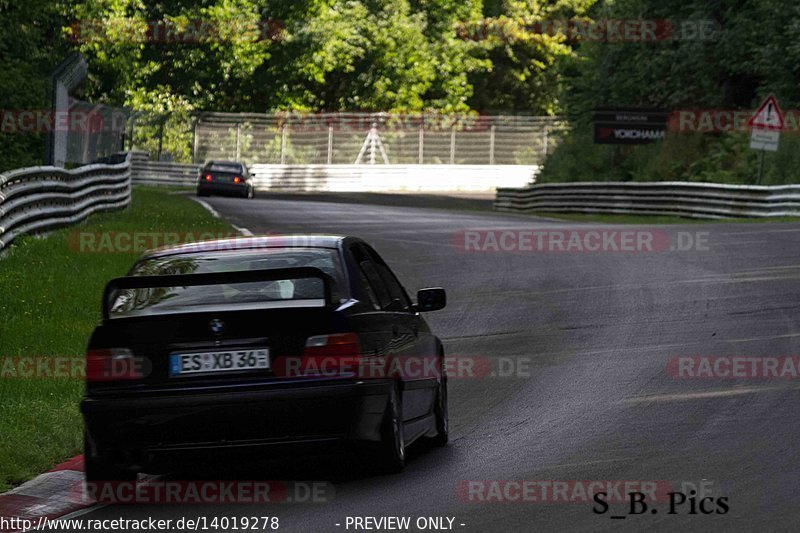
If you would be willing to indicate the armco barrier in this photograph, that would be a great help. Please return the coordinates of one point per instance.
(166, 173)
(349, 178)
(43, 198)
(386, 178)
(694, 200)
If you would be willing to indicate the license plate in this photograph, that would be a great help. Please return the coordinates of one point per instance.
(181, 364)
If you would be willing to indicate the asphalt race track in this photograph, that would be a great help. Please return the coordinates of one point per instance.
(588, 337)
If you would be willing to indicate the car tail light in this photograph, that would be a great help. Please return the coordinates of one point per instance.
(335, 353)
(208, 177)
(237, 179)
(113, 364)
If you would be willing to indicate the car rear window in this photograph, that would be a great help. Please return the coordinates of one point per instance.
(277, 293)
(224, 167)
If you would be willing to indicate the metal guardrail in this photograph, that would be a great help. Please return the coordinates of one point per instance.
(693, 200)
(348, 178)
(146, 172)
(388, 178)
(44, 198)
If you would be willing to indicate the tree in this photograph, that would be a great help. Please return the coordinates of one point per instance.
(526, 59)
(28, 45)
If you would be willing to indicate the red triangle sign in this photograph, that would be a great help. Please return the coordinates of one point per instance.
(768, 116)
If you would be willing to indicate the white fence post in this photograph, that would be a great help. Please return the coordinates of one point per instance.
(491, 145)
(544, 144)
(421, 154)
(195, 140)
(330, 145)
(238, 145)
(283, 144)
(453, 145)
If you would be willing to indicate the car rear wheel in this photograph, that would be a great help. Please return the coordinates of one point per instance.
(390, 457)
(203, 193)
(442, 416)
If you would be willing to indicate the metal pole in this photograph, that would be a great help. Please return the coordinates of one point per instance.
(760, 166)
(330, 145)
(453, 145)
(238, 146)
(372, 134)
(491, 145)
(283, 144)
(421, 141)
(544, 144)
(130, 131)
(194, 139)
(161, 137)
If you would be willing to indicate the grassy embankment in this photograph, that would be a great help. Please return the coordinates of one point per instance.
(50, 292)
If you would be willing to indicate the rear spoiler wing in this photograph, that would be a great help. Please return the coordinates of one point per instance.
(215, 278)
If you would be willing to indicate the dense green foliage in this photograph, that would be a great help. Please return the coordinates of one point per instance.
(753, 51)
(28, 45)
(49, 311)
(311, 55)
(412, 55)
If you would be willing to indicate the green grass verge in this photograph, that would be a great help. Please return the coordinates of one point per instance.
(49, 302)
(655, 219)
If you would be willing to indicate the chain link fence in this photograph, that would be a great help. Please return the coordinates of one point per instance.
(349, 138)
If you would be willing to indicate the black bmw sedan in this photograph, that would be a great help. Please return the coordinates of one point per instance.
(262, 345)
(229, 178)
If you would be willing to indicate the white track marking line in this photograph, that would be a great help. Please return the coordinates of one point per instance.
(244, 231)
(208, 207)
(769, 337)
(703, 395)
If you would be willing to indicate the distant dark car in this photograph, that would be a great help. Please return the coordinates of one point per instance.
(225, 177)
(260, 346)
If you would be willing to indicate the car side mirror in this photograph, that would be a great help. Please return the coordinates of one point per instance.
(431, 299)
